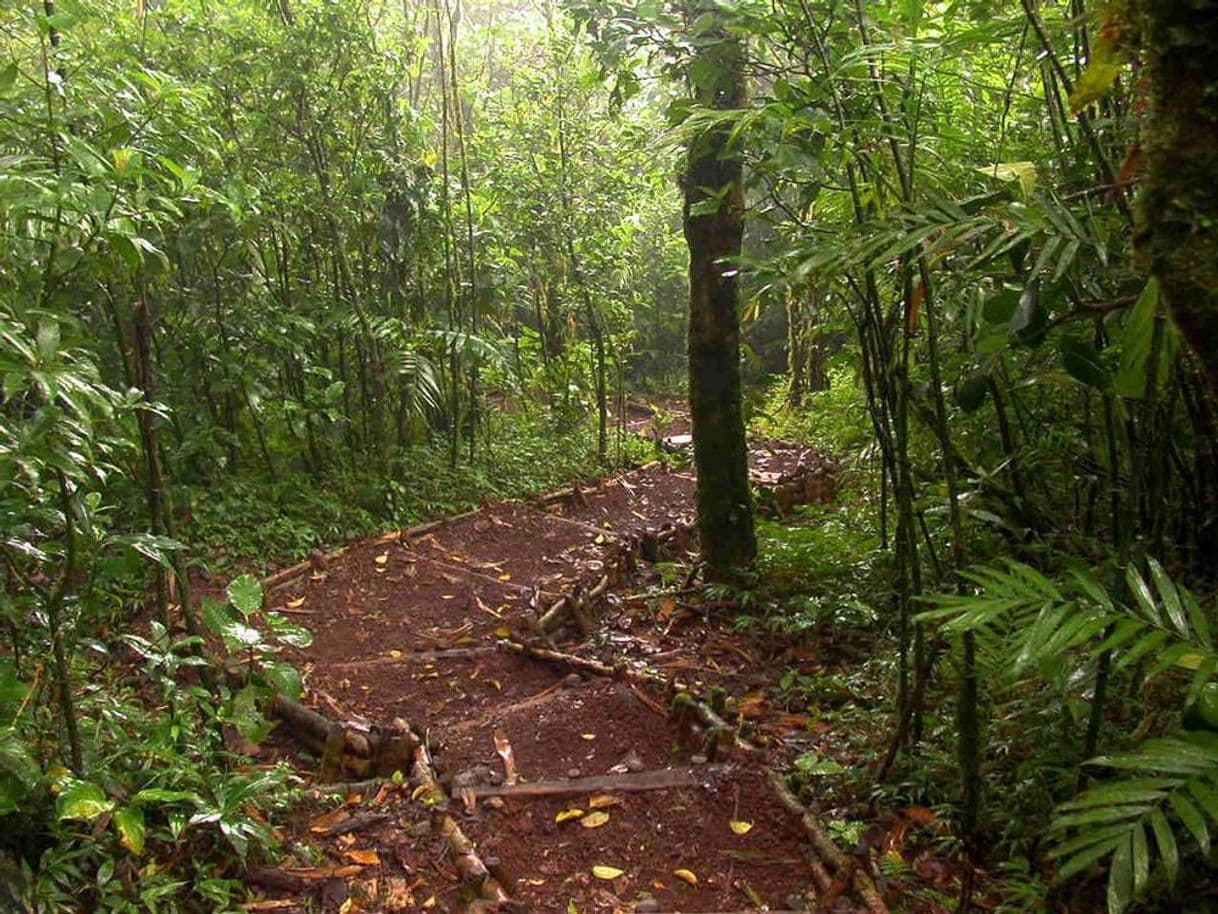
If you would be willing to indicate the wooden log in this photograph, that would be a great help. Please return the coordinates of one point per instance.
(298, 880)
(586, 664)
(634, 782)
(433, 525)
(829, 852)
(332, 752)
(557, 610)
(481, 888)
(384, 750)
(287, 575)
(429, 792)
(353, 824)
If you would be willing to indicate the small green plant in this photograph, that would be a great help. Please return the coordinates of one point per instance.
(1162, 795)
(254, 638)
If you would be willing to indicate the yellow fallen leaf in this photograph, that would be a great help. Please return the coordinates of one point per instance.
(430, 902)
(594, 819)
(505, 576)
(568, 814)
(600, 871)
(295, 604)
(587, 736)
(686, 876)
(396, 655)
(383, 558)
(604, 801)
(503, 632)
(740, 827)
(366, 857)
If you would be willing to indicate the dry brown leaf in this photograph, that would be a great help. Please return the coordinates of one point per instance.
(399, 894)
(323, 823)
(504, 749)
(364, 857)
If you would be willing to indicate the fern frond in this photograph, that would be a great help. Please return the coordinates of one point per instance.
(1173, 789)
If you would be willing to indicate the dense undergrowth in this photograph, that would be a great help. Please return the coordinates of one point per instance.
(256, 524)
(161, 811)
(1047, 612)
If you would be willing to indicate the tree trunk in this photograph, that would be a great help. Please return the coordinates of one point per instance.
(713, 176)
(1177, 222)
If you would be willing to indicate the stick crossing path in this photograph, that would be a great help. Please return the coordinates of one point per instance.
(566, 755)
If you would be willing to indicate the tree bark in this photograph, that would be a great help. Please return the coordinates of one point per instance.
(1177, 220)
(714, 233)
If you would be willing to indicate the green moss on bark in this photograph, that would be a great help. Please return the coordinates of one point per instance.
(714, 232)
(1177, 227)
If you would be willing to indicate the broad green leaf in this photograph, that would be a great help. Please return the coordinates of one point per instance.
(1192, 820)
(971, 390)
(238, 636)
(1165, 838)
(1084, 363)
(1120, 877)
(216, 615)
(1095, 81)
(129, 823)
(1135, 343)
(284, 678)
(245, 592)
(82, 800)
(19, 772)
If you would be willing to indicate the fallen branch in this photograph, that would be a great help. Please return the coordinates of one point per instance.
(829, 852)
(433, 525)
(298, 880)
(637, 782)
(471, 572)
(352, 824)
(425, 656)
(478, 883)
(525, 704)
(376, 750)
(588, 665)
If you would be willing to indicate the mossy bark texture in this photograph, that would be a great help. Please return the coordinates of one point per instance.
(1177, 229)
(725, 512)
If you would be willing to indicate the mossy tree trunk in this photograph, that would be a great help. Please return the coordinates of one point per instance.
(1177, 230)
(714, 227)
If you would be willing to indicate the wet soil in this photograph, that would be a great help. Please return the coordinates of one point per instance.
(410, 631)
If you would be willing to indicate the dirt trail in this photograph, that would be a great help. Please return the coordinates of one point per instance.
(439, 630)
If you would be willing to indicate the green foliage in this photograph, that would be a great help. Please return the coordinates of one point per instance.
(1165, 788)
